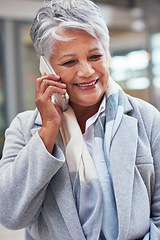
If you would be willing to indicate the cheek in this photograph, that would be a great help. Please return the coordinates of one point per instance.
(66, 76)
(67, 79)
(103, 65)
(105, 73)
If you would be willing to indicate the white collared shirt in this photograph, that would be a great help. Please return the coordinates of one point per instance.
(90, 123)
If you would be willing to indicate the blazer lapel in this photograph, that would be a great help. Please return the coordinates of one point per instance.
(122, 160)
(66, 203)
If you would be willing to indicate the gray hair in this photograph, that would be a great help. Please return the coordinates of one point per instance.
(67, 14)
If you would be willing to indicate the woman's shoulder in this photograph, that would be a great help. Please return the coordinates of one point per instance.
(29, 114)
(144, 112)
(147, 115)
(142, 106)
(25, 118)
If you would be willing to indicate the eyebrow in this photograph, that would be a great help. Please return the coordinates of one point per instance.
(94, 49)
(67, 55)
(73, 55)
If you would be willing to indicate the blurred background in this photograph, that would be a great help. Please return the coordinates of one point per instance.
(134, 27)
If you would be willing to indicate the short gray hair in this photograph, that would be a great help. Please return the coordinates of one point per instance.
(67, 14)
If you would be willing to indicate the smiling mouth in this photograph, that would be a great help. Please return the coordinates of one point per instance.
(87, 84)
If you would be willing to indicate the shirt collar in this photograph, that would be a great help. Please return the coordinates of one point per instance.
(101, 109)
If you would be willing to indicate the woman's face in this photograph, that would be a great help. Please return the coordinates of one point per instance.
(82, 65)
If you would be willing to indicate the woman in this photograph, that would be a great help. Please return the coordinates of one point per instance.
(91, 172)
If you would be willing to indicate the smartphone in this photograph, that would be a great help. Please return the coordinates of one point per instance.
(46, 67)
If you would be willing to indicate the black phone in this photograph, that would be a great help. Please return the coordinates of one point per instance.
(46, 67)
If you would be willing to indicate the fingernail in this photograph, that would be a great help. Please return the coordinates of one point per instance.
(57, 76)
(43, 74)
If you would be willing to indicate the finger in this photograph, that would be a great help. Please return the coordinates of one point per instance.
(38, 83)
(53, 89)
(46, 77)
(41, 85)
(52, 86)
(55, 83)
(43, 74)
(51, 77)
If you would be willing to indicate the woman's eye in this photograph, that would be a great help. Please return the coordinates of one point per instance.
(95, 57)
(68, 63)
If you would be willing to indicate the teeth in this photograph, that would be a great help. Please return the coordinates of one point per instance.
(87, 85)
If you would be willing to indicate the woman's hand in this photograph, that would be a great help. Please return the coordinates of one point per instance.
(50, 112)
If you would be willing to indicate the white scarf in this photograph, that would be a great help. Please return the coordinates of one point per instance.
(87, 186)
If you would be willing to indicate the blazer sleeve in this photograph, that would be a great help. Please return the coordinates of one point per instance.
(26, 169)
(154, 233)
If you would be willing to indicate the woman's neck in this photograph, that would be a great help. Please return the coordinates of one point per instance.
(84, 112)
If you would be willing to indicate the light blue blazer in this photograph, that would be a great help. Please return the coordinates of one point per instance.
(35, 188)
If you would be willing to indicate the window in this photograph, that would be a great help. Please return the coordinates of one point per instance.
(29, 64)
(130, 71)
(18, 92)
(155, 46)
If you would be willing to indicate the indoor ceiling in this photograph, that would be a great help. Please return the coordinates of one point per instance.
(120, 3)
(124, 3)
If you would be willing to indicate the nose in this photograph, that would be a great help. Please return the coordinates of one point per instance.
(85, 69)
